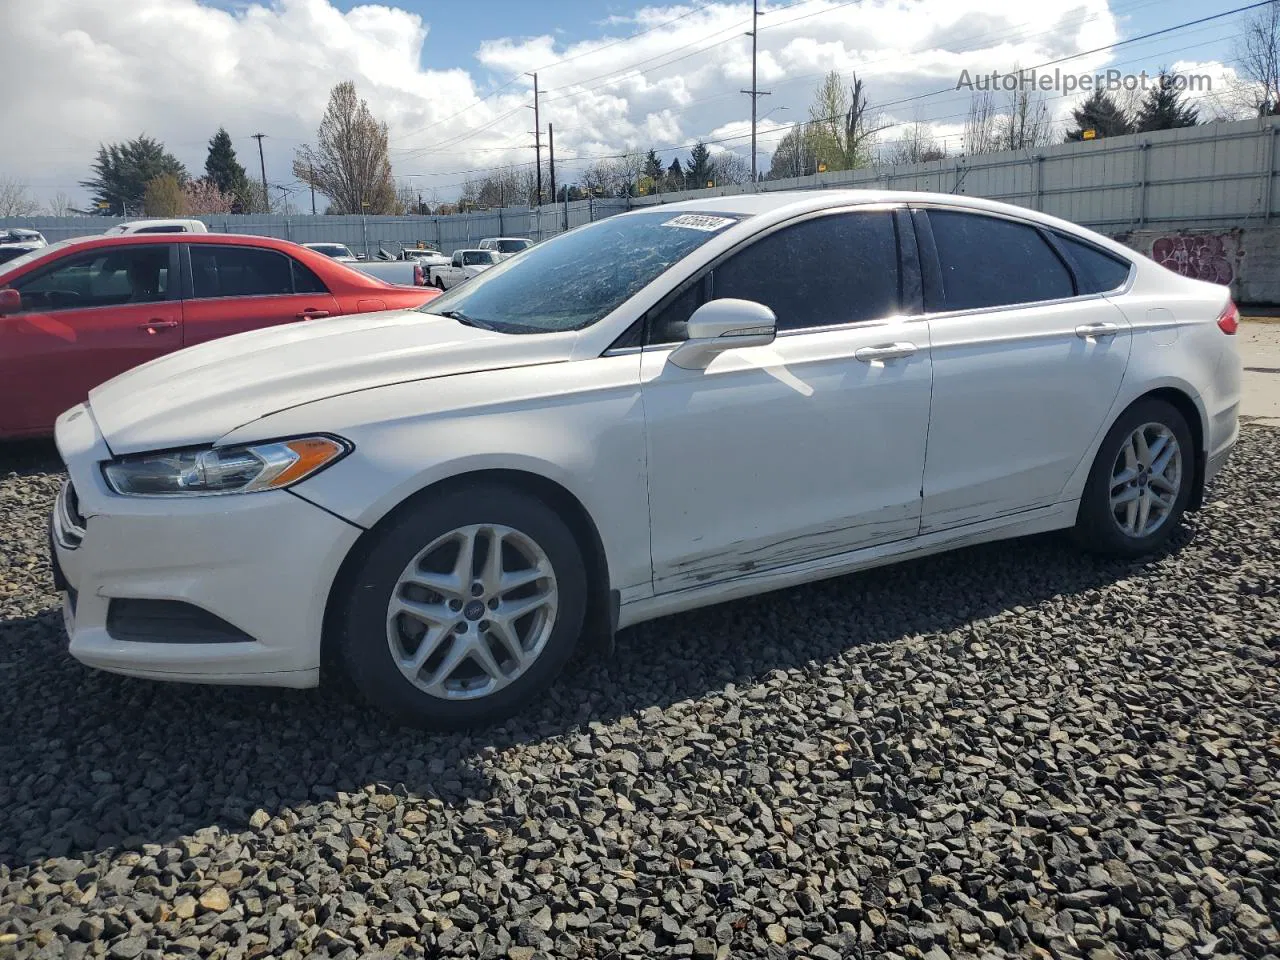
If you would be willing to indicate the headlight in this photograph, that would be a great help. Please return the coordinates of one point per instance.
(214, 470)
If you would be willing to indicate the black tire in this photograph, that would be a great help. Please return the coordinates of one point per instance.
(363, 646)
(1096, 527)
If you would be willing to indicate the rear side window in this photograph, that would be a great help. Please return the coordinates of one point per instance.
(835, 269)
(1096, 270)
(239, 272)
(305, 279)
(990, 262)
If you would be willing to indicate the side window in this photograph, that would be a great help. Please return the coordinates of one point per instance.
(107, 278)
(836, 269)
(1097, 271)
(991, 262)
(239, 272)
(457, 259)
(305, 279)
(667, 324)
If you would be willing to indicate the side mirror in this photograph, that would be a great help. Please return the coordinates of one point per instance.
(10, 301)
(721, 325)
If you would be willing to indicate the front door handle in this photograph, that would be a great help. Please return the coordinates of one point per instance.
(152, 326)
(886, 351)
(311, 314)
(1088, 331)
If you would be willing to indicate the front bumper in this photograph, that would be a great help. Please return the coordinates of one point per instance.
(261, 562)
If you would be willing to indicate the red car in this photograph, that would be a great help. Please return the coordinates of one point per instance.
(77, 313)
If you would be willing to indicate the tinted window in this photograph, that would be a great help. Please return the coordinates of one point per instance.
(239, 272)
(169, 229)
(477, 257)
(512, 246)
(305, 279)
(107, 278)
(836, 269)
(1096, 271)
(989, 262)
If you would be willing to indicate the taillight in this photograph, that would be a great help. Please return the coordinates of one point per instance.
(418, 279)
(1229, 319)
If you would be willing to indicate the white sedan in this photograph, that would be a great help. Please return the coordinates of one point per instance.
(661, 410)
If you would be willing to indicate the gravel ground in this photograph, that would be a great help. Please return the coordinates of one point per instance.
(1012, 750)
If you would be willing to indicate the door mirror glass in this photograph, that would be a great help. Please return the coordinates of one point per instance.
(721, 325)
(10, 301)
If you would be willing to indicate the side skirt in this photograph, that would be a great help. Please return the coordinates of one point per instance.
(1040, 520)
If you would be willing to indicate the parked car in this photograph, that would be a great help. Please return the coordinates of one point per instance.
(653, 412)
(158, 226)
(505, 246)
(15, 241)
(335, 251)
(408, 273)
(78, 312)
(426, 256)
(463, 265)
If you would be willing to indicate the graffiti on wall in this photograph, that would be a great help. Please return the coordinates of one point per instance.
(1207, 256)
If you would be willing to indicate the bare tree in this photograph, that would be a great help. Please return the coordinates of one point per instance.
(349, 163)
(916, 145)
(980, 125)
(15, 201)
(842, 129)
(1258, 57)
(1025, 121)
(794, 156)
(59, 205)
(730, 167)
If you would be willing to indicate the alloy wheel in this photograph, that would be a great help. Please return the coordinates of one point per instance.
(1145, 480)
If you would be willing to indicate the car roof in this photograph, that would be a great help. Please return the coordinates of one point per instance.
(231, 239)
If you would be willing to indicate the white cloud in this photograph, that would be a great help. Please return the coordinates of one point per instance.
(177, 69)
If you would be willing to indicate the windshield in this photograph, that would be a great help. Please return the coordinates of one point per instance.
(573, 280)
(513, 246)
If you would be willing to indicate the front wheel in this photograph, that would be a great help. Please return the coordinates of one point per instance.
(464, 607)
(1140, 482)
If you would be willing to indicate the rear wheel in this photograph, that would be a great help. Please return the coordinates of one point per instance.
(1140, 482)
(464, 608)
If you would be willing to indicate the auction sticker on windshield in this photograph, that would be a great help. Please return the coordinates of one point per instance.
(699, 221)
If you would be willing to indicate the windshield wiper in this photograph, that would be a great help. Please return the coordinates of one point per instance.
(464, 319)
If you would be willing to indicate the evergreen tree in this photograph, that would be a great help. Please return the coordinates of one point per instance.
(221, 166)
(1163, 108)
(699, 165)
(1101, 114)
(123, 170)
(652, 166)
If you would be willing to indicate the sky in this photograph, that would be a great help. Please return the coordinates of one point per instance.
(449, 78)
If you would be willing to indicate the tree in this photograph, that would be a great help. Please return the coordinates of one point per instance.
(1101, 114)
(794, 156)
(980, 125)
(203, 196)
(916, 145)
(730, 167)
(841, 128)
(164, 197)
(349, 163)
(222, 168)
(15, 201)
(1025, 121)
(60, 205)
(1257, 54)
(1163, 108)
(676, 179)
(123, 170)
(699, 166)
(652, 165)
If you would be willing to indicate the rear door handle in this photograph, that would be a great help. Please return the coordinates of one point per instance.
(311, 314)
(1088, 331)
(887, 351)
(151, 326)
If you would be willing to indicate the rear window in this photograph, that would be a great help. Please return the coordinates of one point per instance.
(1097, 270)
(512, 246)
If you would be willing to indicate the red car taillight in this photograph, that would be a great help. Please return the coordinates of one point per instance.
(1229, 319)
(419, 279)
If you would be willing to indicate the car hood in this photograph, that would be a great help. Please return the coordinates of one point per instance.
(196, 395)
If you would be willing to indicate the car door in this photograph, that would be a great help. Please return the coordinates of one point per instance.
(453, 273)
(237, 288)
(1026, 364)
(85, 318)
(806, 448)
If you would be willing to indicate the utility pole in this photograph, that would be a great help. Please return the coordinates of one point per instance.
(551, 151)
(537, 137)
(311, 167)
(754, 93)
(266, 197)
